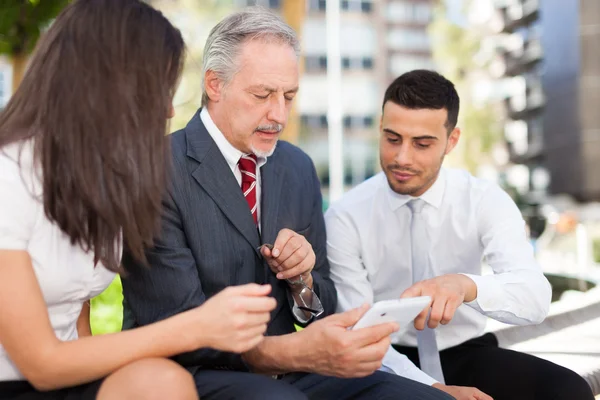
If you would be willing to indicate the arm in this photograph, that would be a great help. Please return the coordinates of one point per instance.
(517, 292)
(316, 236)
(83, 322)
(169, 286)
(27, 336)
(351, 280)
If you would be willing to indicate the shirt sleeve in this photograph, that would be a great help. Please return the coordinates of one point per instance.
(344, 254)
(18, 207)
(517, 292)
(399, 364)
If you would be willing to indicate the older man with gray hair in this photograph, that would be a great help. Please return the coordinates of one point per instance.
(241, 209)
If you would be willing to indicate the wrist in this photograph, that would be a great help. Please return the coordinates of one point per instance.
(176, 331)
(274, 355)
(440, 386)
(469, 287)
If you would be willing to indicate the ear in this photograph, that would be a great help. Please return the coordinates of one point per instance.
(171, 112)
(213, 86)
(452, 140)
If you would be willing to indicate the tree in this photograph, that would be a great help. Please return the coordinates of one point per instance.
(21, 23)
(455, 49)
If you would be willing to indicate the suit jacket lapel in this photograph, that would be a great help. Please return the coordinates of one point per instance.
(215, 177)
(271, 186)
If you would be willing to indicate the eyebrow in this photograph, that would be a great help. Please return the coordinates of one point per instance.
(423, 137)
(271, 90)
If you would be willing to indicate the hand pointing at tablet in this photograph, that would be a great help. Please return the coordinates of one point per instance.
(447, 292)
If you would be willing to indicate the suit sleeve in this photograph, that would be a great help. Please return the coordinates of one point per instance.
(168, 286)
(316, 236)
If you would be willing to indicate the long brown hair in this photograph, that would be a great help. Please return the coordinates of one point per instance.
(95, 100)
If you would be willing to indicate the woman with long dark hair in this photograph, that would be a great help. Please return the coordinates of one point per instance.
(83, 167)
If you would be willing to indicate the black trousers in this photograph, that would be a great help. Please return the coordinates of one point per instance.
(22, 390)
(229, 385)
(506, 374)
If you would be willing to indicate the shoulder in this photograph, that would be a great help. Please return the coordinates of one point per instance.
(360, 198)
(18, 168)
(177, 141)
(291, 155)
(461, 183)
(483, 195)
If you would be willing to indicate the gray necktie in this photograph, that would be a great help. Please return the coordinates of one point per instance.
(429, 357)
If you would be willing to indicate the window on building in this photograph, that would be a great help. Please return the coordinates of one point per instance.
(264, 3)
(365, 6)
(408, 12)
(408, 39)
(319, 121)
(314, 63)
(346, 62)
(323, 62)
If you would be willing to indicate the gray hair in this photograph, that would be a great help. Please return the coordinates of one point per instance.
(227, 37)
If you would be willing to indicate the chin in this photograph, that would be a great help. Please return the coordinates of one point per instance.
(263, 152)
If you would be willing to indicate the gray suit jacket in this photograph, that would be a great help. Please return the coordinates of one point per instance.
(208, 238)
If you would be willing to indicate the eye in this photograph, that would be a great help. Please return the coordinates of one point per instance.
(392, 140)
(261, 97)
(422, 145)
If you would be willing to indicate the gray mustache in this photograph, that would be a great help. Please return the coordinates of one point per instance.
(270, 128)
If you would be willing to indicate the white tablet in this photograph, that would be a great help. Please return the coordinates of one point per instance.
(402, 311)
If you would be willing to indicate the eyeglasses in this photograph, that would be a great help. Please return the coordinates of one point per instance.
(306, 299)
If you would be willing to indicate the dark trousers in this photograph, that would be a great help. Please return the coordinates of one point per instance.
(228, 385)
(506, 374)
(22, 390)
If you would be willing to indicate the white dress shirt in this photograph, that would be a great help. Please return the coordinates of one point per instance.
(65, 273)
(469, 221)
(232, 156)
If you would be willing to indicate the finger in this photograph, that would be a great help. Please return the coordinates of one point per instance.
(282, 238)
(367, 368)
(421, 319)
(450, 310)
(251, 343)
(257, 304)
(250, 289)
(294, 250)
(437, 311)
(348, 318)
(253, 331)
(367, 336)
(415, 290)
(265, 251)
(305, 266)
(479, 395)
(373, 352)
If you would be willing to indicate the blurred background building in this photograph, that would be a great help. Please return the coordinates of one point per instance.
(380, 41)
(5, 80)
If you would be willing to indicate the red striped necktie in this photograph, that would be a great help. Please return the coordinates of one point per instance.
(247, 165)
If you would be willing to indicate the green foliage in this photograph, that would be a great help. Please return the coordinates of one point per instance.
(596, 250)
(22, 21)
(106, 314)
(455, 49)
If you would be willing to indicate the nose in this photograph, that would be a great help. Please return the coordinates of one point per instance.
(278, 112)
(405, 155)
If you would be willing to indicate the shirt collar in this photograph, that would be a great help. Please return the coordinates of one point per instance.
(231, 154)
(433, 196)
